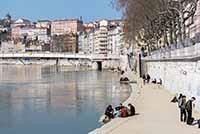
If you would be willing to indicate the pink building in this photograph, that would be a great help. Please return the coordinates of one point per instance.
(31, 33)
(16, 32)
(60, 27)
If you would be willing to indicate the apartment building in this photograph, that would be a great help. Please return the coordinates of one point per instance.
(86, 39)
(31, 33)
(60, 27)
(65, 43)
(43, 24)
(21, 23)
(101, 38)
(115, 40)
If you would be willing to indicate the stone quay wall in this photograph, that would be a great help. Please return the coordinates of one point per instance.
(179, 74)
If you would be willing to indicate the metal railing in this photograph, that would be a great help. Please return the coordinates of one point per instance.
(179, 53)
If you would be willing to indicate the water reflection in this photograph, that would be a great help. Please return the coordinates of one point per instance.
(56, 98)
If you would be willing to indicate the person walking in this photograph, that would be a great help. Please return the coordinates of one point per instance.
(189, 107)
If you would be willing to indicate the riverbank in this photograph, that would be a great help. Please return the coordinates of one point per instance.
(156, 114)
(117, 122)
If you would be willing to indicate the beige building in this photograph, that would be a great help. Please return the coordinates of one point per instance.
(101, 38)
(65, 43)
(17, 26)
(43, 24)
(16, 32)
(31, 33)
(60, 27)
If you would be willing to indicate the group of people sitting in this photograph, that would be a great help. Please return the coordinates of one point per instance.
(147, 79)
(119, 111)
(186, 109)
(123, 77)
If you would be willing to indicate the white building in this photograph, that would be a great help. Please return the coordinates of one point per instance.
(115, 40)
(101, 38)
(91, 42)
(86, 42)
(104, 37)
(20, 23)
(36, 33)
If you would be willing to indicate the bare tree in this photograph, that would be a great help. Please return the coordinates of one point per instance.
(152, 20)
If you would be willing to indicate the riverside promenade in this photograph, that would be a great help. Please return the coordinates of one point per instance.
(156, 115)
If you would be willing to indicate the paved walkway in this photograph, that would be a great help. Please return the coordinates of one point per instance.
(156, 116)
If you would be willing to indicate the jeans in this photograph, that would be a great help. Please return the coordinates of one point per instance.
(189, 119)
(183, 114)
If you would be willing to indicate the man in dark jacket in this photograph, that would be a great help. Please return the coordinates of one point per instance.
(188, 107)
(109, 112)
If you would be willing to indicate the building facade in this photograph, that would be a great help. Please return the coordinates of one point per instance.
(102, 37)
(43, 24)
(65, 43)
(21, 23)
(86, 42)
(115, 40)
(31, 33)
(61, 27)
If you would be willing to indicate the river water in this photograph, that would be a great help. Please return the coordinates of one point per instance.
(55, 100)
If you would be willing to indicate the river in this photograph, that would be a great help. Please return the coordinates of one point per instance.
(55, 100)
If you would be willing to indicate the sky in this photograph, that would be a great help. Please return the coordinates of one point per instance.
(34, 10)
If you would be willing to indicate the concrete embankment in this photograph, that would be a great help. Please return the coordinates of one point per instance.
(115, 123)
(156, 115)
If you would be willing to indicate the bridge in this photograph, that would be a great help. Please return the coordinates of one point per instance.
(96, 60)
(92, 57)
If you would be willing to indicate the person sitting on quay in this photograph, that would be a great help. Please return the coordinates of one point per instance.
(109, 112)
(159, 82)
(118, 109)
(154, 81)
(124, 112)
(131, 109)
(144, 78)
(123, 77)
(148, 77)
(127, 111)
